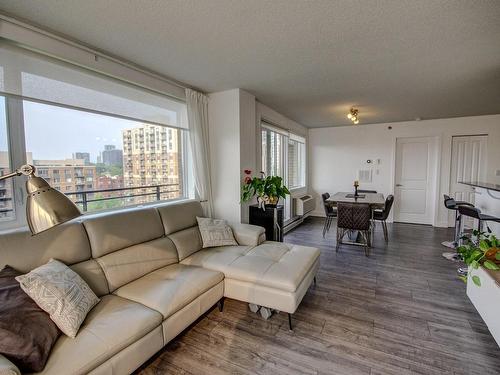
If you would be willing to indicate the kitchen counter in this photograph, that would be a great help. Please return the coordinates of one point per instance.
(484, 185)
(487, 199)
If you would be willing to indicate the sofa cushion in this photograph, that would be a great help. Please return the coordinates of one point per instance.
(23, 251)
(111, 232)
(169, 289)
(179, 216)
(112, 325)
(91, 272)
(126, 265)
(248, 234)
(187, 242)
(217, 258)
(273, 264)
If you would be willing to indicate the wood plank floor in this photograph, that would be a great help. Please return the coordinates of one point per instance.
(400, 311)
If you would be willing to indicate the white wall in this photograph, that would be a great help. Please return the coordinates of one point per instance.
(235, 145)
(224, 136)
(248, 142)
(336, 154)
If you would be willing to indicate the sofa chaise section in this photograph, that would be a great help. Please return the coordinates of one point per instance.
(267, 273)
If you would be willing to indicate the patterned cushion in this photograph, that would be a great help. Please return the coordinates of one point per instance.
(215, 232)
(61, 293)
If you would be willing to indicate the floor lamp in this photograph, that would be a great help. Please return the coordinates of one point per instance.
(45, 207)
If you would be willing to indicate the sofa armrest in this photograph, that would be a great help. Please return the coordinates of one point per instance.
(248, 235)
(7, 367)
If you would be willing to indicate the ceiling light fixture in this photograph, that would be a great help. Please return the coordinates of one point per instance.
(353, 115)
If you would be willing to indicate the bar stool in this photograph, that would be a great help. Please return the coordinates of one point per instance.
(481, 218)
(452, 204)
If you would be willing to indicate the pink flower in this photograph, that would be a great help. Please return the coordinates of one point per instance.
(247, 171)
(248, 180)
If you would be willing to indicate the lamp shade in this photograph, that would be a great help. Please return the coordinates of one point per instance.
(47, 207)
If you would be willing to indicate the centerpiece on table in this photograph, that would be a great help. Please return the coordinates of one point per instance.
(268, 189)
(485, 251)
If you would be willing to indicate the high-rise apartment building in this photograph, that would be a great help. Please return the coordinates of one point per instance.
(82, 155)
(67, 175)
(6, 190)
(152, 157)
(112, 156)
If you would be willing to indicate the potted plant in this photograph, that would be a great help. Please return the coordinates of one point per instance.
(484, 252)
(268, 189)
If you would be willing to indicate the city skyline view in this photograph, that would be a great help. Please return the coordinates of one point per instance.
(84, 154)
(81, 131)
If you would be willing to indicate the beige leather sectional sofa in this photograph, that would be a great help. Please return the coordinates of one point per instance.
(154, 279)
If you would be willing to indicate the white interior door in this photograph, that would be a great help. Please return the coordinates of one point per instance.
(468, 163)
(414, 192)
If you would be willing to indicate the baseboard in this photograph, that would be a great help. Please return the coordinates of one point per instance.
(317, 213)
(441, 224)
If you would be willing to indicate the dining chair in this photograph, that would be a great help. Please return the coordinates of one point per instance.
(354, 217)
(330, 213)
(382, 215)
(367, 191)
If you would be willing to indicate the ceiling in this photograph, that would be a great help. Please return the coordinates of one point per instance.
(394, 60)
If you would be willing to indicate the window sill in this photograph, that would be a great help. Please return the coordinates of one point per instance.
(297, 189)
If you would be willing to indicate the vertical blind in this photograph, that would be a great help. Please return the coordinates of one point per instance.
(38, 77)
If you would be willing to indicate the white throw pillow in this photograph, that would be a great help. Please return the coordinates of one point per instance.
(215, 232)
(61, 292)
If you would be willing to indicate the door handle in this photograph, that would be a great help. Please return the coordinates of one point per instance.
(399, 185)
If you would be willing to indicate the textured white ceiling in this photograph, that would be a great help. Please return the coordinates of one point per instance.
(395, 60)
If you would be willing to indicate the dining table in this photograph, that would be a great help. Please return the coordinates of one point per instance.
(375, 200)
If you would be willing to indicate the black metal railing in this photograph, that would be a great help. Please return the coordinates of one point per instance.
(86, 197)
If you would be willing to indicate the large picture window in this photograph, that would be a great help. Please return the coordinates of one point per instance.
(284, 154)
(103, 143)
(7, 211)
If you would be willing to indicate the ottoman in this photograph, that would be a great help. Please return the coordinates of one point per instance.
(273, 274)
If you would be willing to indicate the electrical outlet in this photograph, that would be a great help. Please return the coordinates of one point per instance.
(497, 173)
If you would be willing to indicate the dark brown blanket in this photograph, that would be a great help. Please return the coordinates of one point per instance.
(27, 333)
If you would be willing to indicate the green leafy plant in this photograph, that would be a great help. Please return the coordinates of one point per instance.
(268, 189)
(485, 251)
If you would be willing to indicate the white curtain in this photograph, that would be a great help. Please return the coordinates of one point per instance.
(197, 113)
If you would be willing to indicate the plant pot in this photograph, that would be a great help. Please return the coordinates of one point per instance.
(272, 201)
(491, 255)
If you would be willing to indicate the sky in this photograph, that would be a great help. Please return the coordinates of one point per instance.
(56, 133)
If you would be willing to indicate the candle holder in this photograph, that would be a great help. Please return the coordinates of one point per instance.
(356, 184)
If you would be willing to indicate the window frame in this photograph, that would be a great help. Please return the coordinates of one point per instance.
(16, 141)
(301, 165)
(286, 136)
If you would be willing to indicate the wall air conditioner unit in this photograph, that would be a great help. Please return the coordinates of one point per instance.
(304, 205)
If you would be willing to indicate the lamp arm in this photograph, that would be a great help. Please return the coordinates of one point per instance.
(27, 170)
